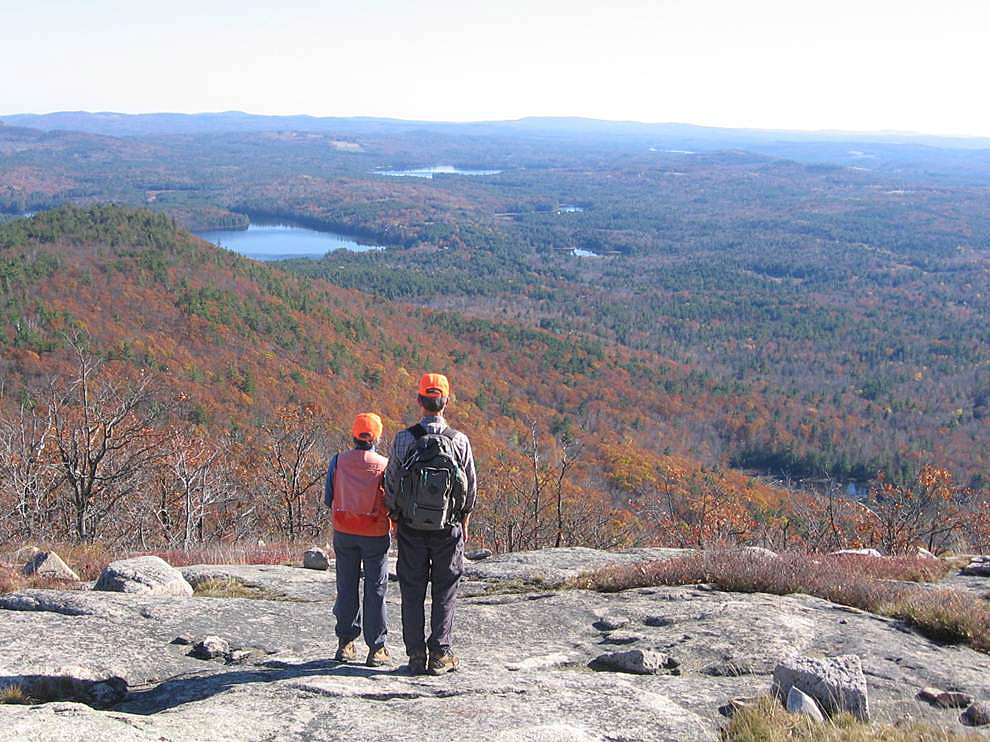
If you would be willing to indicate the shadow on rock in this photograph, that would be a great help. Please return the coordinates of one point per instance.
(184, 689)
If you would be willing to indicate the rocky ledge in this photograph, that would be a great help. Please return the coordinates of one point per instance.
(537, 663)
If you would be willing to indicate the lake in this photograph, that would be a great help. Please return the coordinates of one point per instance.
(429, 172)
(277, 241)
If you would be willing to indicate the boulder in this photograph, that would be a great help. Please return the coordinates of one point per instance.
(147, 574)
(610, 623)
(799, 702)
(49, 564)
(922, 553)
(477, 554)
(946, 699)
(836, 683)
(316, 558)
(657, 621)
(209, 648)
(635, 661)
(858, 552)
(978, 567)
(977, 715)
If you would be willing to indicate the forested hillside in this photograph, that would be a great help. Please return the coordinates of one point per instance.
(243, 369)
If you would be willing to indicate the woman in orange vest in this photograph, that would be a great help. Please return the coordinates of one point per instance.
(354, 489)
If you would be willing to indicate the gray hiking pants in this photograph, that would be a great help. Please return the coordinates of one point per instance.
(351, 554)
(436, 557)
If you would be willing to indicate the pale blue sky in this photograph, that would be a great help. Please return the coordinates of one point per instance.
(864, 65)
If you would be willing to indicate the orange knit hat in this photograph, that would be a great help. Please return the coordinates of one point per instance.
(434, 385)
(367, 427)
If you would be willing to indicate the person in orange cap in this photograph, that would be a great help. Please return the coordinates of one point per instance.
(354, 490)
(430, 491)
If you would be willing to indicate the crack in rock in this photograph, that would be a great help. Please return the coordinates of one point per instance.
(404, 695)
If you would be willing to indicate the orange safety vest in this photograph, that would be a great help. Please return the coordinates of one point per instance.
(359, 494)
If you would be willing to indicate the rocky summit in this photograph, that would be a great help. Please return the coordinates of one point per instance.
(537, 663)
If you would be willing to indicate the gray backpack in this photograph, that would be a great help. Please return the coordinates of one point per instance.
(432, 485)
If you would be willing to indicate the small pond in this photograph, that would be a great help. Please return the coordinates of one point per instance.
(278, 241)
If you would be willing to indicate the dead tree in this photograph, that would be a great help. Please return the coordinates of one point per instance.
(293, 466)
(27, 474)
(104, 439)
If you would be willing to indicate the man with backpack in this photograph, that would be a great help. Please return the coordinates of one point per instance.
(430, 490)
(354, 489)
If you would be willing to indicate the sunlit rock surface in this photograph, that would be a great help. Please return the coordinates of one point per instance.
(524, 650)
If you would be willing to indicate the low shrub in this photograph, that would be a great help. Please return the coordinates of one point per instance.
(888, 587)
(280, 553)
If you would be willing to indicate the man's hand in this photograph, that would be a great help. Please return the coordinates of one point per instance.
(464, 525)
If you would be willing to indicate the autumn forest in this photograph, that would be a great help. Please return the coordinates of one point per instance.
(654, 335)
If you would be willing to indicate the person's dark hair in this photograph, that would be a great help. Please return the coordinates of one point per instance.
(432, 404)
(362, 442)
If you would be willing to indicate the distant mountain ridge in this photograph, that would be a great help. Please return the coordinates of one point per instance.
(144, 124)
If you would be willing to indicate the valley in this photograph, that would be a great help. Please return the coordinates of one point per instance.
(790, 325)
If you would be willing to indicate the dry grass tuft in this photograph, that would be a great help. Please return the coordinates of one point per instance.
(13, 694)
(883, 586)
(767, 721)
(10, 580)
(231, 588)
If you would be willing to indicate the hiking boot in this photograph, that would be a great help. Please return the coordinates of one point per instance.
(378, 657)
(346, 651)
(417, 664)
(443, 662)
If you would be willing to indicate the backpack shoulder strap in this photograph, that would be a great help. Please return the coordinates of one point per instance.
(417, 431)
(449, 433)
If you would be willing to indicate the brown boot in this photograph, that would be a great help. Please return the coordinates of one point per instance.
(346, 652)
(378, 657)
(442, 663)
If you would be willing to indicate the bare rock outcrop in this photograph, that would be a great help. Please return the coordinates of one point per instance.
(524, 651)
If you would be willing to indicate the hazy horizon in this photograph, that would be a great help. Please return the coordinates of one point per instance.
(576, 117)
(773, 65)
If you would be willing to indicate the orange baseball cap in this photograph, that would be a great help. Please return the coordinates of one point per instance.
(434, 385)
(367, 426)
